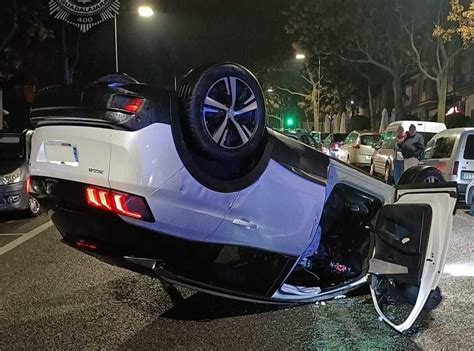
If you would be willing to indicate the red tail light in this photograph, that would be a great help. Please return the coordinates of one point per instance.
(334, 146)
(456, 168)
(120, 203)
(133, 105)
(126, 103)
(28, 184)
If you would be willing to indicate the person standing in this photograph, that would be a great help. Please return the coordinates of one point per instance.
(398, 164)
(412, 148)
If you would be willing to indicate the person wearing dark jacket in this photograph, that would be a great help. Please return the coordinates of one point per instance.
(412, 147)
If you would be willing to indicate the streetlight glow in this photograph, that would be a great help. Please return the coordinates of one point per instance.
(300, 56)
(270, 90)
(145, 11)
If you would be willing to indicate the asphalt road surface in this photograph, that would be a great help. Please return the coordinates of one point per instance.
(55, 297)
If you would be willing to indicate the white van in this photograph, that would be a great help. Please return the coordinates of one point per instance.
(382, 159)
(452, 152)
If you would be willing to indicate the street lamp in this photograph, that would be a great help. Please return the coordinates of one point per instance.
(143, 11)
(270, 90)
(300, 56)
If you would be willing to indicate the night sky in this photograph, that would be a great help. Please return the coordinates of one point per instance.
(183, 34)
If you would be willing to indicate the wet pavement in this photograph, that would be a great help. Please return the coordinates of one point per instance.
(55, 297)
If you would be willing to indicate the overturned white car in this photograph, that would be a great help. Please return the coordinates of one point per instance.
(194, 187)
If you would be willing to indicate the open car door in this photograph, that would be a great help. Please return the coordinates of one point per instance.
(411, 242)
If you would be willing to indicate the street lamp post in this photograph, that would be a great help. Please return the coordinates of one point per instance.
(143, 11)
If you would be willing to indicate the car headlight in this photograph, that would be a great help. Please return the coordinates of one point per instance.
(11, 178)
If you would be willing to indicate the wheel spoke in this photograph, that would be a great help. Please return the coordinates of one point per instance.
(211, 102)
(218, 133)
(233, 90)
(251, 107)
(224, 137)
(241, 132)
(210, 110)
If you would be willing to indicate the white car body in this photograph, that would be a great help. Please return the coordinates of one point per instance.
(242, 238)
(452, 152)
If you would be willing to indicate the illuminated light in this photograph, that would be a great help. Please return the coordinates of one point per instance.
(352, 102)
(133, 105)
(28, 185)
(459, 270)
(290, 121)
(145, 11)
(104, 199)
(270, 90)
(82, 244)
(92, 197)
(121, 206)
(300, 56)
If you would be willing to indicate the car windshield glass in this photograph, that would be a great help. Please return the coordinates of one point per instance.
(443, 147)
(369, 139)
(427, 136)
(11, 148)
(469, 149)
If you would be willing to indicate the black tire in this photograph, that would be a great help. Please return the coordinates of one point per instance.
(421, 175)
(224, 111)
(387, 174)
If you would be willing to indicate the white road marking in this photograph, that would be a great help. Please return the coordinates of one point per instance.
(12, 234)
(25, 237)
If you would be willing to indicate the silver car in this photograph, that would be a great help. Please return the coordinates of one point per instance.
(14, 174)
(452, 152)
(358, 148)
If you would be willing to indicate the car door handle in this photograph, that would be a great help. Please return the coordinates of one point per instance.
(244, 223)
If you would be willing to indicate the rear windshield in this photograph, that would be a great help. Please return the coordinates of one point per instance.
(11, 148)
(369, 139)
(469, 149)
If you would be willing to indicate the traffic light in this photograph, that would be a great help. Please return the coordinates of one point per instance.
(290, 122)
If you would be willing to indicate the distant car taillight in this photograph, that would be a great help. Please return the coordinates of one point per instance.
(334, 146)
(28, 184)
(117, 202)
(456, 168)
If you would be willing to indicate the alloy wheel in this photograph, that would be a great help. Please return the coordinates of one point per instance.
(230, 113)
(33, 205)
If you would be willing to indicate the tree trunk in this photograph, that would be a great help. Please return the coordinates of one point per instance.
(314, 103)
(442, 90)
(398, 96)
(371, 105)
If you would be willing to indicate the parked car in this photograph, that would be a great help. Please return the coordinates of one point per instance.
(358, 148)
(470, 197)
(206, 197)
(332, 144)
(452, 152)
(384, 154)
(14, 174)
(303, 137)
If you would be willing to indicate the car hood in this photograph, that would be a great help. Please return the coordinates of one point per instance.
(10, 166)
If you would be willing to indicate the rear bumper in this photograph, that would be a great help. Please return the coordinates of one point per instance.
(13, 197)
(230, 270)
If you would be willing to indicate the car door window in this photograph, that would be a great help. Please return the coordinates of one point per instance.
(469, 148)
(389, 140)
(351, 138)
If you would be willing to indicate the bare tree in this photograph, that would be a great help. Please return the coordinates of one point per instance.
(69, 55)
(433, 54)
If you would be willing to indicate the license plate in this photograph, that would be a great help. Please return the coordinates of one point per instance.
(467, 175)
(62, 153)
